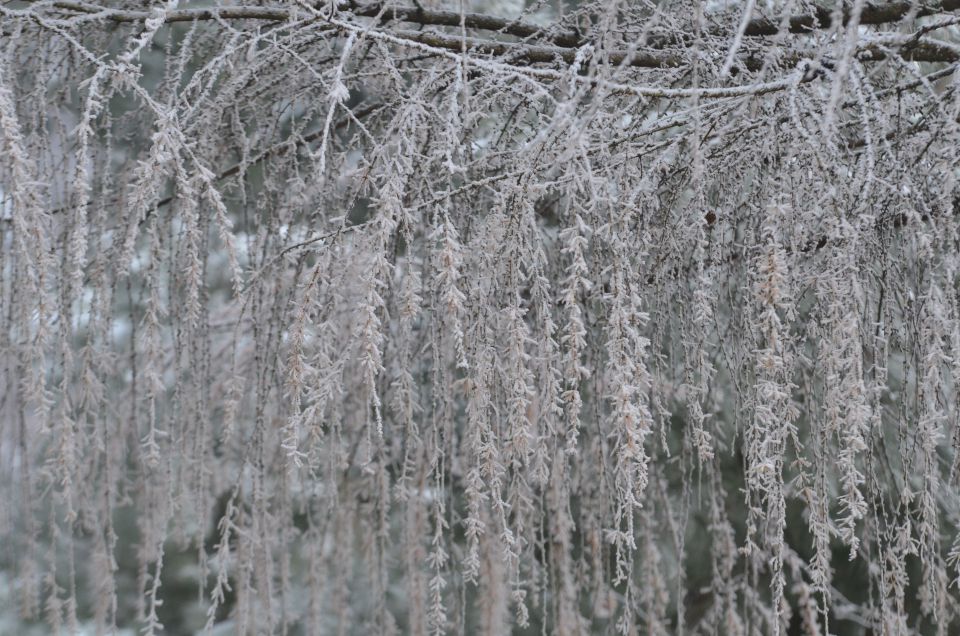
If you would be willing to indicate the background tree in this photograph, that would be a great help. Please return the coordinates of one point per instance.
(610, 317)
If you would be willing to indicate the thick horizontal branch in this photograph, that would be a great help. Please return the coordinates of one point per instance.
(914, 51)
(523, 53)
(536, 53)
(480, 21)
(823, 17)
(872, 14)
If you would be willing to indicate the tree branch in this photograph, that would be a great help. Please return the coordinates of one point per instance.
(532, 53)
(822, 18)
(872, 14)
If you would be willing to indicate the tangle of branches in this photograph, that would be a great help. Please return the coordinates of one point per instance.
(616, 316)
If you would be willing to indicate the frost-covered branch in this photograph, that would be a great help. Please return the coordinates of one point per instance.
(455, 318)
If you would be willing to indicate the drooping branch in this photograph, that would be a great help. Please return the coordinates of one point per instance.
(492, 301)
